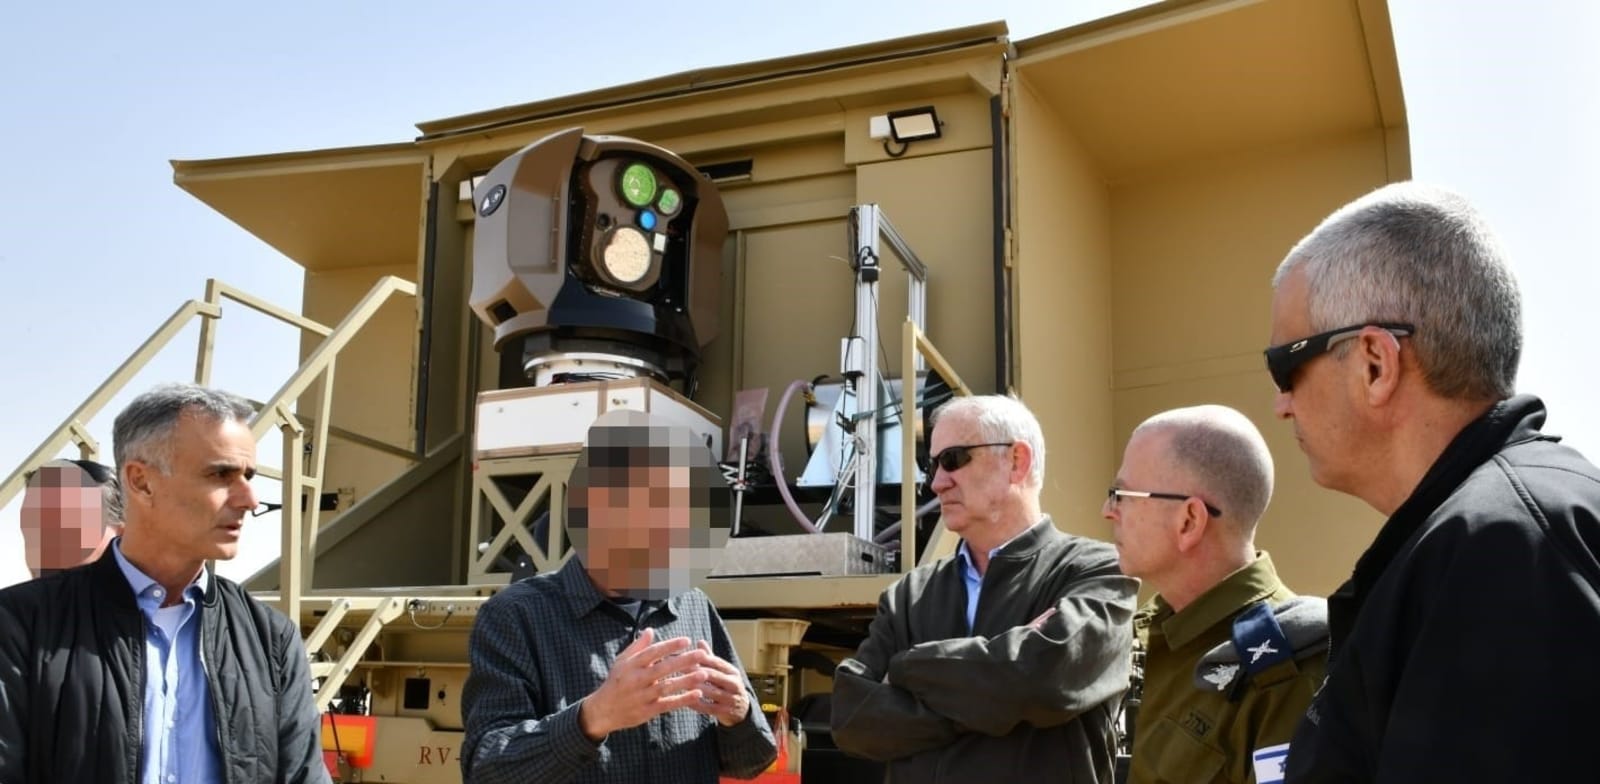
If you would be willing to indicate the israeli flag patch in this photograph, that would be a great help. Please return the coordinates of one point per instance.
(1270, 763)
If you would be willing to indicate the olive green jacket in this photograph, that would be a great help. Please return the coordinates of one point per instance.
(1197, 726)
(1028, 694)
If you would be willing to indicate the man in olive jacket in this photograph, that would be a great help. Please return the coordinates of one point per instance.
(1232, 656)
(1005, 661)
(145, 666)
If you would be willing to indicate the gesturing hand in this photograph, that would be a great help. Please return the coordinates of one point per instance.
(724, 697)
(648, 679)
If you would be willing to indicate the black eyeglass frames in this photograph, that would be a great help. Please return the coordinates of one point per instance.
(1284, 359)
(953, 458)
(1114, 493)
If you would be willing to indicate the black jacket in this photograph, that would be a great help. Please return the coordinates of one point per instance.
(1027, 695)
(1464, 643)
(72, 682)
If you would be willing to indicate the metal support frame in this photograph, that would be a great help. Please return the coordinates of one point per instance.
(350, 436)
(73, 430)
(302, 470)
(373, 504)
(871, 225)
(548, 493)
(303, 474)
(914, 346)
(293, 572)
(387, 610)
(322, 357)
(88, 447)
(216, 292)
(324, 628)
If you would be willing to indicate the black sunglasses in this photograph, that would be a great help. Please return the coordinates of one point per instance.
(1116, 492)
(952, 458)
(1284, 359)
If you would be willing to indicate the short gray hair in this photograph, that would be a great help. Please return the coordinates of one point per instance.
(1002, 418)
(1222, 450)
(1421, 255)
(143, 431)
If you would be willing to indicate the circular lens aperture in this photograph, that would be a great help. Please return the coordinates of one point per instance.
(638, 184)
(626, 255)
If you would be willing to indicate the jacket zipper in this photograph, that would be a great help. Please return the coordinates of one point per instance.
(136, 705)
(211, 689)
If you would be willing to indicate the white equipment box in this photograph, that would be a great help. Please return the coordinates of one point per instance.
(555, 419)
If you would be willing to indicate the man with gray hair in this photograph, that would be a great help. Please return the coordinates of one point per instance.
(1232, 656)
(1005, 661)
(145, 666)
(1461, 642)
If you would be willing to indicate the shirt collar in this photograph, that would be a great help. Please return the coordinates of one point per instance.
(144, 585)
(965, 553)
(1256, 581)
(969, 568)
(582, 595)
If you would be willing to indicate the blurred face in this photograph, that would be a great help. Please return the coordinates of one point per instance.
(1319, 404)
(62, 518)
(642, 491)
(634, 528)
(646, 540)
(196, 512)
(975, 496)
(1146, 529)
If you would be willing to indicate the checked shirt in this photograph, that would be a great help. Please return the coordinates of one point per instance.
(543, 644)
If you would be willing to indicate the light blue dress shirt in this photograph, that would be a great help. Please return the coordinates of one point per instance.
(180, 724)
(973, 580)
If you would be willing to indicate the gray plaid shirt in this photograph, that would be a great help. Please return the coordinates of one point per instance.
(544, 644)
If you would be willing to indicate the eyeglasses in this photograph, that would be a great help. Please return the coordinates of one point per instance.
(953, 458)
(1284, 359)
(1115, 493)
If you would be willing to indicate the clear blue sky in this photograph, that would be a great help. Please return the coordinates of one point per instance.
(98, 246)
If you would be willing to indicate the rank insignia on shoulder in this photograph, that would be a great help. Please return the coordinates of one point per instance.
(1259, 639)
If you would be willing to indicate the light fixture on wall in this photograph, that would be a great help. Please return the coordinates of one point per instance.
(911, 125)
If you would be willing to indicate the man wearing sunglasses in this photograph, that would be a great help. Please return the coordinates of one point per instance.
(1232, 656)
(1462, 643)
(1003, 662)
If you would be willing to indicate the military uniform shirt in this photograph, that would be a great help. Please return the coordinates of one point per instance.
(1190, 735)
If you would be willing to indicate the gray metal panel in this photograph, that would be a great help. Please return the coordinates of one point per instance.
(830, 555)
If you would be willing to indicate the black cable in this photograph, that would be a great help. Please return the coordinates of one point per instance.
(338, 749)
(924, 402)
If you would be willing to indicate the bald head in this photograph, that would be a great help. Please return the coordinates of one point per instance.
(1224, 453)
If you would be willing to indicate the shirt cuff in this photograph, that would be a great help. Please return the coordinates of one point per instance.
(567, 741)
(744, 728)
